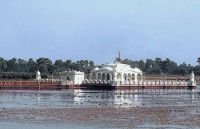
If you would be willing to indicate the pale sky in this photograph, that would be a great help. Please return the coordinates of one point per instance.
(97, 29)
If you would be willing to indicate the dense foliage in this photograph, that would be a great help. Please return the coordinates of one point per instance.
(20, 68)
(159, 66)
(23, 69)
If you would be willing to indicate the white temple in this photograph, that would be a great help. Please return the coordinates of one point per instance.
(119, 74)
(72, 77)
(116, 72)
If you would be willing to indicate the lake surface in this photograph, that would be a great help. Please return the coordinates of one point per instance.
(77, 98)
(68, 98)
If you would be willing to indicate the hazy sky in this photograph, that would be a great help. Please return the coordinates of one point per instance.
(97, 29)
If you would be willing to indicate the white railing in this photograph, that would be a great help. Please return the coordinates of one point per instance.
(139, 83)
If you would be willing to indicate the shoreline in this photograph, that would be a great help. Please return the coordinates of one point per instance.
(57, 85)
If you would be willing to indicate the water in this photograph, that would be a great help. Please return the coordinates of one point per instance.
(69, 98)
(77, 98)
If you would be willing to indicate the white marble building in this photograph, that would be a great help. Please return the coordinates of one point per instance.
(75, 77)
(116, 72)
(119, 74)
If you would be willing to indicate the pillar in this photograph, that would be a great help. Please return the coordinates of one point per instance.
(90, 76)
(96, 74)
(110, 76)
(136, 80)
(115, 77)
(192, 83)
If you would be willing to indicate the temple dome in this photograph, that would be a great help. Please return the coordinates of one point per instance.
(106, 68)
(137, 70)
(96, 69)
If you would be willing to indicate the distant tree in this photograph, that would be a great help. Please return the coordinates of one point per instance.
(59, 65)
(52, 69)
(198, 60)
(68, 63)
(86, 63)
(32, 65)
(91, 64)
(141, 65)
(148, 65)
(12, 65)
(166, 64)
(183, 70)
(126, 61)
(43, 63)
(3, 64)
(23, 65)
(158, 61)
(173, 68)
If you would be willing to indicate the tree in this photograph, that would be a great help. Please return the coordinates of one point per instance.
(32, 65)
(148, 65)
(51, 69)
(78, 65)
(86, 63)
(158, 61)
(183, 69)
(59, 65)
(68, 63)
(23, 66)
(43, 63)
(91, 64)
(12, 65)
(198, 60)
(166, 65)
(141, 65)
(3, 64)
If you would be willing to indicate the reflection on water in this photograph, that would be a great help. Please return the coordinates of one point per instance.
(67, 98)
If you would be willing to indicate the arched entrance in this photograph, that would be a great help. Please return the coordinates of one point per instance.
(93, 76)
(107, 77)
(119, 76)
(125, 76)
(129, 77)
(133, 77)
(99, 76)
(139, 77)
(103, 76)
(68, 79)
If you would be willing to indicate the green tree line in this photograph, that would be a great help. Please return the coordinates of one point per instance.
(20, 68)
(25, 69)
(167, 66)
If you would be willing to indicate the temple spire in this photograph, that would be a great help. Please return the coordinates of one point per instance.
(118, 59)
(118, 54)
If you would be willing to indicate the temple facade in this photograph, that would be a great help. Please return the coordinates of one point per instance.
(116, 72)
(72, 77)
(119, 75)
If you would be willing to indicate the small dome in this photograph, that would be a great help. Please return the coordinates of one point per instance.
(107, 68)
(96, 69)
(137, 70)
